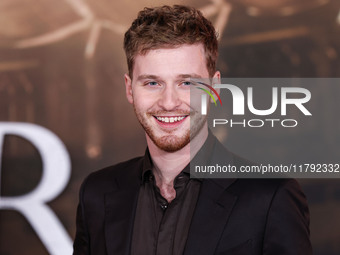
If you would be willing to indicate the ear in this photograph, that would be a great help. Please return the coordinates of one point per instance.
(216, 79)
(128, 88)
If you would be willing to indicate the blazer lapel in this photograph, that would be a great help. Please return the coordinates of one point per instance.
(212, 212)
(120, 208)
(214, 205)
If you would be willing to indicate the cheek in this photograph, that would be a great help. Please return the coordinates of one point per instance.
(195, 99)
(139, 96)
(145, 98)
(142, 102)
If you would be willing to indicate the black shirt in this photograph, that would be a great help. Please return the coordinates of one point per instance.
(161, 227)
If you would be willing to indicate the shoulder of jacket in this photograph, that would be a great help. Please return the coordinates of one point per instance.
(107, 176)
(268, 187)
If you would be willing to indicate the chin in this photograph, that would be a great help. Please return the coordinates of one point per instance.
(171, 143)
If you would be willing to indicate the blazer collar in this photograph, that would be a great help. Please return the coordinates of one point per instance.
(213, 207)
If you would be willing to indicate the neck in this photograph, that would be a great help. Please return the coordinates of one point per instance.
(167, 165)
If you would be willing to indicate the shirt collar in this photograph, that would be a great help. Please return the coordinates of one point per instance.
(147, 166)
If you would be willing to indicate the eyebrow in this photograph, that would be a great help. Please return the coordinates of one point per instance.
(147, 76)
(156, 77)
(191, 75)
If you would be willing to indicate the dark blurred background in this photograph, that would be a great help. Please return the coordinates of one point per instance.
(62, 66)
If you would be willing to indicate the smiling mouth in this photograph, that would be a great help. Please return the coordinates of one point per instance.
(170, 119)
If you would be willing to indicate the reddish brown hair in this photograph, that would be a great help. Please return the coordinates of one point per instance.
(169, 27)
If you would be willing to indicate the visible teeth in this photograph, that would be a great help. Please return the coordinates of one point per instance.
(170, 119)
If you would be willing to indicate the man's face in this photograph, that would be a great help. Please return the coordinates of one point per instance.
(160, 94)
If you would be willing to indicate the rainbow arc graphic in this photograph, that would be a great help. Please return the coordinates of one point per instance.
(208, 92)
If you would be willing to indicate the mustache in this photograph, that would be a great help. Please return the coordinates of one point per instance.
(173, 112)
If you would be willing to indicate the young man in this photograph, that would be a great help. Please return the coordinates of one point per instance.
(150, 205)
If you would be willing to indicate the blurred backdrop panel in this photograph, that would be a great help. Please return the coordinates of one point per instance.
(61, 71)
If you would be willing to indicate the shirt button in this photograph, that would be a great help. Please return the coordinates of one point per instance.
(164, 206)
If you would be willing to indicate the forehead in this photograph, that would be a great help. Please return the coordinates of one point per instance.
(168, 62)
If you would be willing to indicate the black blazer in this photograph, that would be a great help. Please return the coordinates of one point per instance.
(232, 216)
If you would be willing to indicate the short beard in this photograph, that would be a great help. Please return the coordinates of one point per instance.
(169, 143)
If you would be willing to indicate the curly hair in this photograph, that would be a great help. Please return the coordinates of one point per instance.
(170, 27)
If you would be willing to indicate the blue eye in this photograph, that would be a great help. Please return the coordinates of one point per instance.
(152, 83)
(187, 83)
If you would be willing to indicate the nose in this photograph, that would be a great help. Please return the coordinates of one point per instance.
(169, 98)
